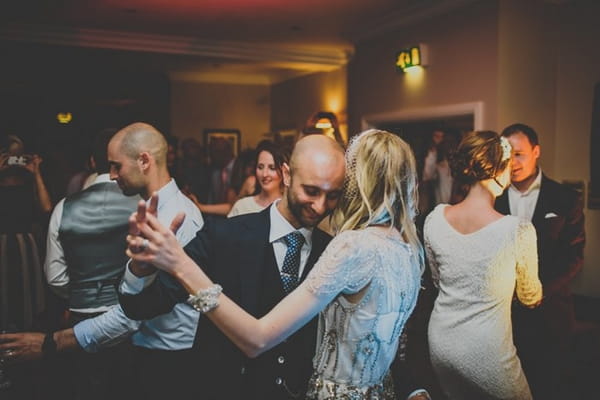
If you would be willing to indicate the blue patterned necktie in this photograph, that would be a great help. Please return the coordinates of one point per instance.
(291, 263)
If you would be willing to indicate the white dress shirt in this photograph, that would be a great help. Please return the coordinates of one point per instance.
(522, 204)
(172, 331)
(280, 227)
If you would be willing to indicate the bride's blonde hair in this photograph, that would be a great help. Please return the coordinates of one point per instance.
(380, 187)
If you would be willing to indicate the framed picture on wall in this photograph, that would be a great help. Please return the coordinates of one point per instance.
(222, 139)
(594, 185)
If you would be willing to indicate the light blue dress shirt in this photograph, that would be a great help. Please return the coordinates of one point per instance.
(172, 331)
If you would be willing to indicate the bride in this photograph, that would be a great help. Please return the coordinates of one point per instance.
(364, 286)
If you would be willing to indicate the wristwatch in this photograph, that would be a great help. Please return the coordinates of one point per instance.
(49, 345)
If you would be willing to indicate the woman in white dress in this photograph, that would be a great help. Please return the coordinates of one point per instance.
(478, 258)
(269, 180)
(364, 286)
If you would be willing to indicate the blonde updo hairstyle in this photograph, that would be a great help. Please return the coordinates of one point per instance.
(479, 156)
(380, 187)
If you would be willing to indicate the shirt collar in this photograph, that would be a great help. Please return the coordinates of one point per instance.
(166, 192)
(101, 179)
(535, 185)
(280, 226)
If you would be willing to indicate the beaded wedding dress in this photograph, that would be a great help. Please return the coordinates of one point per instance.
(470, 330)
(356, 342)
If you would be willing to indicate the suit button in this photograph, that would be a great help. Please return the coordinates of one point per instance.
(278, 381)
(243, 370)
(280, 359)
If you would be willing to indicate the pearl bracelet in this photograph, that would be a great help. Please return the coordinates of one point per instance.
(207, 299)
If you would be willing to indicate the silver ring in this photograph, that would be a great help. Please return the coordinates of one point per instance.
(144, 245)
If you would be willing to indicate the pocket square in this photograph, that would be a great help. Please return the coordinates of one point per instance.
(550, 215)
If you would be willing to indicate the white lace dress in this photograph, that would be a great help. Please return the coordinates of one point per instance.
(470, 330)
(356, 343)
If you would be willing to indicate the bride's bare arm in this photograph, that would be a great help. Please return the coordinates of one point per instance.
(253, 336)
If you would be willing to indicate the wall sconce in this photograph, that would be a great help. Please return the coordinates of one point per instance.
(415, 56)
(64, 117)
(324, 122)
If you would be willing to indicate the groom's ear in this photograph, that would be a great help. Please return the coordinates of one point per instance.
(287, 175)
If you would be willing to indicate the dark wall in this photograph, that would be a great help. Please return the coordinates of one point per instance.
(102, 89)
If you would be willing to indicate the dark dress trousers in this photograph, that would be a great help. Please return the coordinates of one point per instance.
(543, 335)
(236, 253)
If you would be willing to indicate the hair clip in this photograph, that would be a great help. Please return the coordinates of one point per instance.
(506, 148)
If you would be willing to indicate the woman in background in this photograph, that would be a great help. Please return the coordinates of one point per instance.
(477, 257)
(23, 200)
(268, 180)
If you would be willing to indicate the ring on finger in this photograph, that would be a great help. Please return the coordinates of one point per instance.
(144, 245)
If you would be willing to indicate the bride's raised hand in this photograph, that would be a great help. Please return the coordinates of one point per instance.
(137, 267)
(158, 244)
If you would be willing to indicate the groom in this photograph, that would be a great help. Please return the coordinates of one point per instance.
(543, 335)
(245, 255)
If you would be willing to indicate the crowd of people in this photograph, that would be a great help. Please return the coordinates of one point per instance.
(284, 274)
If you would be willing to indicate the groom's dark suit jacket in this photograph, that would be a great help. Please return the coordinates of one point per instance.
(236, 253)
(559, 225)
(540, 333)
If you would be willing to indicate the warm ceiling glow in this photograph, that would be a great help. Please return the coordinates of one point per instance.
(333, 101)
(64, 117)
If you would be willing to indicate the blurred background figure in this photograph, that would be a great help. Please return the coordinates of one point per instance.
(243, 178)
(24, 207)
(268, 179)
(83, 168)
(221, 168)
(172, 157)
(241, 183)
(192, 171)
(436, 174)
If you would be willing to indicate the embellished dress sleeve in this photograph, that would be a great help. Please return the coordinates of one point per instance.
(346, 266)
(529, 287)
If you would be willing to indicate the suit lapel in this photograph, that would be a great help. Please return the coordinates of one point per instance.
(255, 252)
(541, 206)
(319, 243)
(502, 203)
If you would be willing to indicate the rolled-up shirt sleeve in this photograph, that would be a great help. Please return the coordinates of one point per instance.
(55, 266)
(105, 330)
(132, 284)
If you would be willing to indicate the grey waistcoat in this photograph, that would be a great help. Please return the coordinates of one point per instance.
(92, 233)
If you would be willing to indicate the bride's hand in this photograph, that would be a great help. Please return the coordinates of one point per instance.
(155, 244)
(139, 268)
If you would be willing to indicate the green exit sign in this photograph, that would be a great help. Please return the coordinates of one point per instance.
(411, 57)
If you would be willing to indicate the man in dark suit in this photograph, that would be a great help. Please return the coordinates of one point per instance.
(543, 335)
(245, 255)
